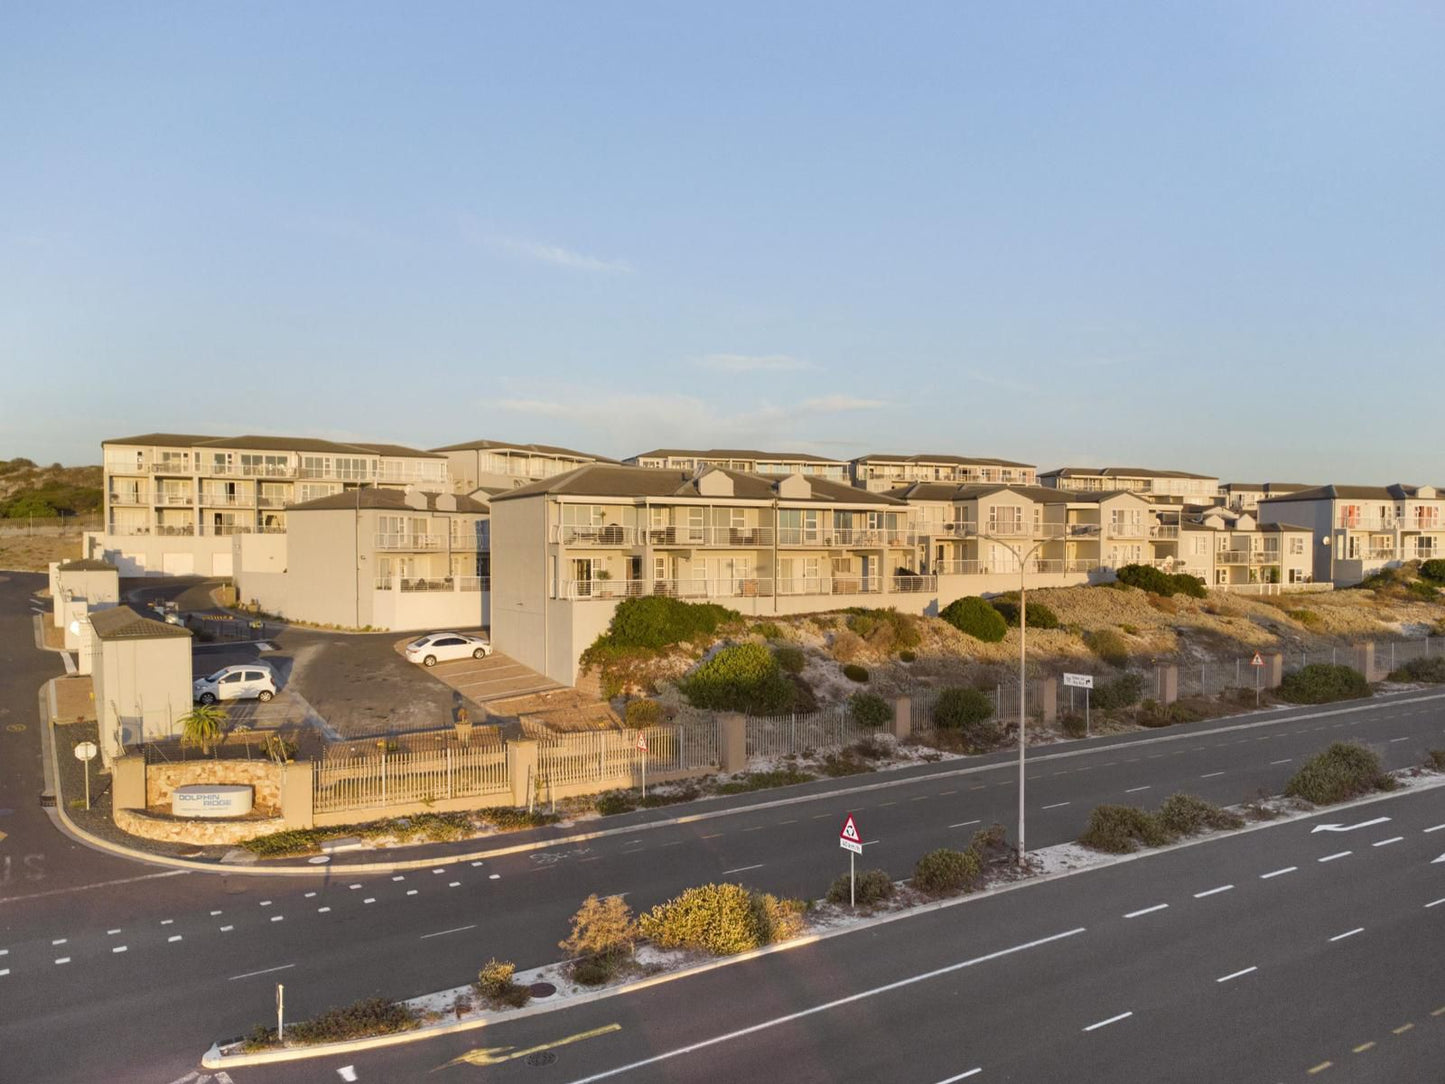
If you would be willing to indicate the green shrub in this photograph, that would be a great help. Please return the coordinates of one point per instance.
(595, 970)
(1431, 670)
(1435, 759)
(767, 630)
(1341, 772)
(1322, 683)
(750, 781)
(643, 713)
(957, 709)
(740, 677)
(602, 926)
(495, 986)
(1039, 615)
(1308, 618)
(791, 658)
(991, 844)
(657, 621)
(1122, 692)
(907, 656)
(612, 802)
(854, 672)
(1151, 579)
(873, 887)
(505, 818)
(721, 919)
(885, 630)
(944, 872)
(1109, 645)
(367, 1017)
(1120, 829)
(870, 709)
(975, 617)
(1072, 723)
(1433, 569)
(1186, 815)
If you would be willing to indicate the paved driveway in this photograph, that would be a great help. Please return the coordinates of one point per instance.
(497, 677)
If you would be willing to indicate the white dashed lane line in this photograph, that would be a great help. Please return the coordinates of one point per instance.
(1236, 974)
(173, 937)
(964, 824)
(1387, 842)
(1056, 805)
(1348, 933)
(1147, 910)
(1332, 857)
(1286, 760)
(743, 869)
(1136, 790)
(443, 933)
(1111, 1020)
(1212, 891)
(1437, 828)
(1277, 873)
(1210, 775)
(118, 948)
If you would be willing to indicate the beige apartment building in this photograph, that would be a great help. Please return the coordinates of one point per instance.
(1235, 552)
(1190, 489)
(1245, 496)
(879, 473)
(384, 558)
(174, 502)
(772, 464)
(1359, 530)
(495, 465)
(566, 550)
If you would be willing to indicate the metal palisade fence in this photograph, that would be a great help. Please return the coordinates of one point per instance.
(602, 755)
(785, 735)
(379, 779)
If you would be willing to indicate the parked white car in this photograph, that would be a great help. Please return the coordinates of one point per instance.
(437, 647)
(245, 681)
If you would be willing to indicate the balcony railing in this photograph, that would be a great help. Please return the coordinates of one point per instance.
(684, 536)
(131, 496)
(266, 500)
(1035, 565)
(271, 528)
(220, 529)
(823, 585)
(603, 534)
(445, 583)
(1161, 530)
(835, 537)
(1422, 523)
(1367, 523)
(1022, 531)
(730, 587)
(410, 542)
(226, 500)
(174, 498)
(468, 541)
(171, 466)
(1380, 553)
(1246, 557)
(176, 530)
(1130, 530)
(914, 585)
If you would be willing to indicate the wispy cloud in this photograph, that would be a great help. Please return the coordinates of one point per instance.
(540, 252)
(836, 404)
(1001, 382)
(754, 363)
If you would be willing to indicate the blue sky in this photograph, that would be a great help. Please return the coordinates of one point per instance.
(1200, 236)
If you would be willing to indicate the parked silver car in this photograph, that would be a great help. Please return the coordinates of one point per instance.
(437, 647)
(244, 681)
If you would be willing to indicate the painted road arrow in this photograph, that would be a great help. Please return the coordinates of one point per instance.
(1435, 860)
(496, 1055)
(1347, 827)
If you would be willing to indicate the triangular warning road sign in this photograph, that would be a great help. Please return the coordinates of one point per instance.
(641, 742)
(1257, 660)
(850, 831)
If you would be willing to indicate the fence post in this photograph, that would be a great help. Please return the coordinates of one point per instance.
(1048, 694)
(902, 718)
(298, 794)
(522, 756)
(1367, 660)
(1236, 673)
(449, 771)
(1169, 684)
(732, 742)
(1274, 671)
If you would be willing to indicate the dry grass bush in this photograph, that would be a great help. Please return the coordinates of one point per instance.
(722, 920)
(846, 646)
(944, 872)
(1341, 772)
(873, 887)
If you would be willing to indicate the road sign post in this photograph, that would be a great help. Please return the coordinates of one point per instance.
(85, 753)
(642, 748)
(852, 842)
(280, 1006)
(1080, 681)
(1258, 663)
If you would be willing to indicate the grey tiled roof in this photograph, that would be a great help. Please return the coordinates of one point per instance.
(735, 453)
(388, 500)
(505, 445)
(959, 460)
(123, 623)
(261, 443)
(1124, 472)
(1396, 492)
(601, 480)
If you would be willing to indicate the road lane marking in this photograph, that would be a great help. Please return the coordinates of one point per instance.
(496, 1055)
(369, 899)
(1320, 1068)
(793, 821)
(355, 887)
(411, 892)
(1438, 1012)
(1277, 873)
(964, 824)
(1393, 740)
(716, 834)
(945, 793)
(882, 804)
(310, 895)
(60, 941)
(1056, 805)
(399, 877)
(118, 948)
(1387, 842)
(215, 913)
(111, 933)
(227, 929)
(1437, 828)
(1286, 760)
(1362, 1047)
(277, 918)
(1236, 974)
(1332, 857)
(754, 828)
(63, 960)
(1210, 775)
(1401, 1029)
(1348, 933)
(869, 842)
(173, 937)
(4, 971)
(1147, 910)
(264, 971)
(1436, 903)
(322, 910)
(454, 884)
(1136, 790)
(1111, 1020)
(347, 1073)
(919, 798)
(743, 869)
(1212, 891)
(443, 933)
(168, 922)
(825, 1007)
(265, 903)
(442, 870)
(962, 1076)
(816, 817)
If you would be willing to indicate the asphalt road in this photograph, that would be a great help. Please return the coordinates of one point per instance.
(1276, 955)
(193, 957)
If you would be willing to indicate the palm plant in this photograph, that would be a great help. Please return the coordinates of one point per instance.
(203, 725)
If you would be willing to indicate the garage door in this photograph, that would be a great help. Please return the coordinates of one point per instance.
(178, 564)
(220, 564)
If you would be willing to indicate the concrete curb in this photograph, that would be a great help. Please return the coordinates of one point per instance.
(328, 869)
(214, 1059)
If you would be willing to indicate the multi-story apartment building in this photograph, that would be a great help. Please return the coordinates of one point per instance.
(174, 502)
(1233, 551)
(738, 459)
(1191, 489)
(384, 558)
(1245, 496)
(1359, 530)
(495, 465)
(566, 550)
(879, 473)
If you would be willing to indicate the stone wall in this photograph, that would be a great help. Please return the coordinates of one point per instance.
(262, 775)
(201, 832)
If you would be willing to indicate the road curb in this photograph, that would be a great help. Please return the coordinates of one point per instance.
(329, 869)
(213, 1059)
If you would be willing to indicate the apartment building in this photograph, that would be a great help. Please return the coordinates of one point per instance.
(880, 473)
(1359, 530)
(566, 550)
(495, 465)
(1234, 551)
(174, 502)
(1191, 489)
(396, 559)
(773, 464)
(1245, 496)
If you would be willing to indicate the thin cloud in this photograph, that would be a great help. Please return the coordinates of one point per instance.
(1001, 382)
(558, 256)
(833, 404)
(754, 363)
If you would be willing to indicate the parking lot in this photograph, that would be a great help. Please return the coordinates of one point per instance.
(497, 677)
(289, 707)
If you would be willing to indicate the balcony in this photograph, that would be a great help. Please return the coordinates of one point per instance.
(1160, 530)
(127, 465)
(1131, 530)
(267, 470)
(836, 585)
(218, 530)
(1380, 553)
(267, 500)
(411, 543)
(173, 499)
(914, 585)
(1422, 523)
(1367, 523)
(1246, 557)
(1023, 532)
(226, 500)
(733, 587)
(131, 496)
(739, 537)
(174, 530)
(603, 534)
(843, 537)
(468, 541)
(171, 466)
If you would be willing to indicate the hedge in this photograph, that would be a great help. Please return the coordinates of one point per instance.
(1434, 569)
(977, 618)
(870, 709)
(656, 621)
(944, 871)
(1151, 579)
(721, 919)
(873, 886)
(1039, 615)
(1341, 772)
(1322, 683)
(740, 677)
(1122, 692)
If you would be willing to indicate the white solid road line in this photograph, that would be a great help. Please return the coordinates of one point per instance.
(1437, 828)
(1212, 891)
(443, 933)
(1136, 790)
(1436, 903)
(1056, 805)
(264, 971)
(1147, 910)
(850, 999)
(1210, 775)
(962, 1076)
(1348, 933)
(743, 869)
(1235, 974)
(1332, 857)
(1277, 873)
(1111, 1020)
(962, 824)
(1387, 842)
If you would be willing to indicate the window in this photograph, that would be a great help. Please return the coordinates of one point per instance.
(1296, 546)
(1201, 545)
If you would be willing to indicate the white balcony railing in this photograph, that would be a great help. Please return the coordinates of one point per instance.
(682, 536)
(603, 534)
(1161, 530)
(219, 529)
(1129, 530)
(266, 500)
(176, 529)
(1380, 553)
(731, 587)
(835, 537)
(914, 585)
(408, 542)
(824, 585)
(226, 500)
(1422, 523)
(131, 496)
(173, 499)
(1367, 523)
(171, 466)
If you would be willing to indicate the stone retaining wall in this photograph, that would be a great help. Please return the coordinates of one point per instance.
(201, 832)
(262, 775)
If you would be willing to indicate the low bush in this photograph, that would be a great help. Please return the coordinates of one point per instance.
(612, 802)
(975, 617)
(1435, 759)
(767, 630)
(1308, 618)
(1341, 772)
(886, 629)
(657, 621)
(907, 656)
(870, 709)
(1109, 645)
(1156, 582)
(507, 819)
(749, 781)
(967, 714)
(1431, 670)
(846, 646)
(1151, 713)
(790, 658)
(359, 1020)
(944, 872)
(595, 970)
(1433, 569)
(643, 713)
(494, 985)
(1122, 692)
(854, 672)
(1322, 683)
(1039, 616)
(740, 677)
(1120, 829)
(602, 926)
(1072, 723)
(1186, 815)
(843, 763)
(721, 919)
(872, 888)
(870, 748)
(991, 844)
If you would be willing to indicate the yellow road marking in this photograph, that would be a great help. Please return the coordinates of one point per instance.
(1402, 1029)
(496, 1055)
(1363, 1047)
(1321, 1067)
(1439, 1012)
